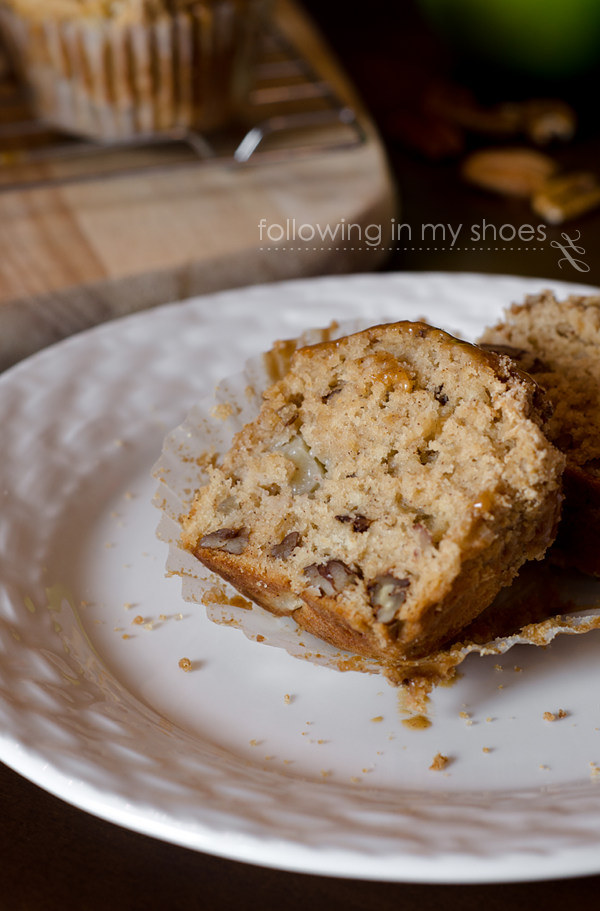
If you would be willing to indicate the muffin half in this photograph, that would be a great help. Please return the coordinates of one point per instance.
(394, 481)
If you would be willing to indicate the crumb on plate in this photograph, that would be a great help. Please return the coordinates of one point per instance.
(439, 762)
(555, 716)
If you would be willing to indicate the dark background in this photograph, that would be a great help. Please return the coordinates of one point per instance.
(394, 57)
(54, 856)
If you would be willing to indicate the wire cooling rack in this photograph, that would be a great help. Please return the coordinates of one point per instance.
(292, 112)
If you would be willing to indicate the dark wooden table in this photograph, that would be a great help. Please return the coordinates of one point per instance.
(54, 856)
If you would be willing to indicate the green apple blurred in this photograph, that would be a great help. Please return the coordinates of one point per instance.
(543, 38)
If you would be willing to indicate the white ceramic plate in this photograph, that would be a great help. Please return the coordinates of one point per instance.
(255, 755)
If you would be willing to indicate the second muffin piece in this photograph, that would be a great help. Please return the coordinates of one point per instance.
(558, 343)
(392, 483)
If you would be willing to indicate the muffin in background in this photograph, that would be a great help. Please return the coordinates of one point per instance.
(116, 69)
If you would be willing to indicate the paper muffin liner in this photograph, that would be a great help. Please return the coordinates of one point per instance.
(114, 81)
(519, 616)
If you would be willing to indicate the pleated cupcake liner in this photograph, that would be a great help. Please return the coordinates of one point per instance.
(112, 81)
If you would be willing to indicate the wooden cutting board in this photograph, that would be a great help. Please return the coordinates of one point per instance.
(77, 254)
